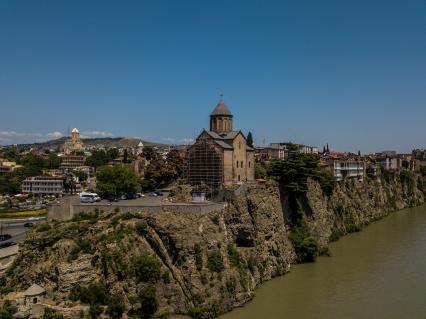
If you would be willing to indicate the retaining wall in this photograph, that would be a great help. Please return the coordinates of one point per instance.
(67, 208)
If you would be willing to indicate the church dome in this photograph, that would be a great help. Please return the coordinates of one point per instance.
(74, 130)
(221, 110)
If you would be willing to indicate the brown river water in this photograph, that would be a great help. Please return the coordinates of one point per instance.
(378, 273)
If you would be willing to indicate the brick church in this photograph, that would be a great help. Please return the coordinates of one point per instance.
(220, 156)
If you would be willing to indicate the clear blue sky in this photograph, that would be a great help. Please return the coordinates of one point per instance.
(348, 73)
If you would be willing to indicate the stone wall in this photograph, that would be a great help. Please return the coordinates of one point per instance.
(69, 206)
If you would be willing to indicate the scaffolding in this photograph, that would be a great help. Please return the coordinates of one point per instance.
(205, 165)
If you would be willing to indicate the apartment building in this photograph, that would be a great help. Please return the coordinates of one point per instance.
(43, 185)
(72, 161)
(348, 169)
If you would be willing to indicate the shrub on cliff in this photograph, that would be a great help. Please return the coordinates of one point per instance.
(97, 295)
(198, 257)
(204, 311)
(7, 310)
(146, 268)
(294, 172)
(50, 314)
(408, 179)
(115, 307)
(148, 303)
(215, 261)
(305, 246)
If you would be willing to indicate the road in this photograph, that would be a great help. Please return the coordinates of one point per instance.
(142, 201)
(16, 229)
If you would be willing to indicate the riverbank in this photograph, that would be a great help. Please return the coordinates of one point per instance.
(376, 273)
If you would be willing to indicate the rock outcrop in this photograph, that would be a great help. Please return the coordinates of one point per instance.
(199, 263)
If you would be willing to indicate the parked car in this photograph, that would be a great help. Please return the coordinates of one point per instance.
(5, 237)
(132, 196)
(87, 198)
(33, 219)
(28, 225)
(113, 199)
(8, 244)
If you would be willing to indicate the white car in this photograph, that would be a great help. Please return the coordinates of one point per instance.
(87, 198)
(33, 219)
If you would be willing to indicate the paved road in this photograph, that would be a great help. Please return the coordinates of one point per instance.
(142, 201)
(16, 229)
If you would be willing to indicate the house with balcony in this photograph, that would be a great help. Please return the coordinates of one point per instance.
(347, 169)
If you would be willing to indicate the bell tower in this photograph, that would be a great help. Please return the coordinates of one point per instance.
(221, 119)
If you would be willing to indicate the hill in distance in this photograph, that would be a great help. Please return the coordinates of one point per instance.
(108, 142)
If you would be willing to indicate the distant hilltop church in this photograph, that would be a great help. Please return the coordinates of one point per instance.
(73, 143)
(220, 157)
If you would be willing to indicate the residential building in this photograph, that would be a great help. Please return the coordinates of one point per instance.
(263, 154)
(220, 156)
(89, 170)
(389, 163)
(43, 185)
(72, 161)
(420, 154)
(387, 154)
(8, 167)
(347, 169)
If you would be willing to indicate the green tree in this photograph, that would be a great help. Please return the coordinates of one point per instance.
(98, 158)
(148, 301)
(250, 139)
(259, 170)
(149, 153)
(305, 246)
(161, 172)
(53, 161)
(115, 307)
(117, 180)
(7, 310)
(82, 176)
(112, 153)
(147, 268)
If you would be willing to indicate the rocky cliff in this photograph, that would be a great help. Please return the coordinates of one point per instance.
(197, 264)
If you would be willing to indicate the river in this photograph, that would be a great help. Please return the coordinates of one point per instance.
(377, 273)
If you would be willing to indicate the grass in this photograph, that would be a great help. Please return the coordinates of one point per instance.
(23, 215)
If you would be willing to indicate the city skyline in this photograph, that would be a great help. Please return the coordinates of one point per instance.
(351, 75)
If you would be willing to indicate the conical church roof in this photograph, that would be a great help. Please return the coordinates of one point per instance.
(221, 109)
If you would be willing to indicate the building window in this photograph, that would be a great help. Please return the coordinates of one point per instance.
(242, 164)
(239, 178)
(238, 163)
(249, 164)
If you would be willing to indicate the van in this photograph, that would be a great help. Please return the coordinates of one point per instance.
(87, 198)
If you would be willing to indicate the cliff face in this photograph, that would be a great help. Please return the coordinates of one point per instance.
(201, 264)
(354, 205)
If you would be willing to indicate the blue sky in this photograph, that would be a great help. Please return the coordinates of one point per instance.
(348, 73)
